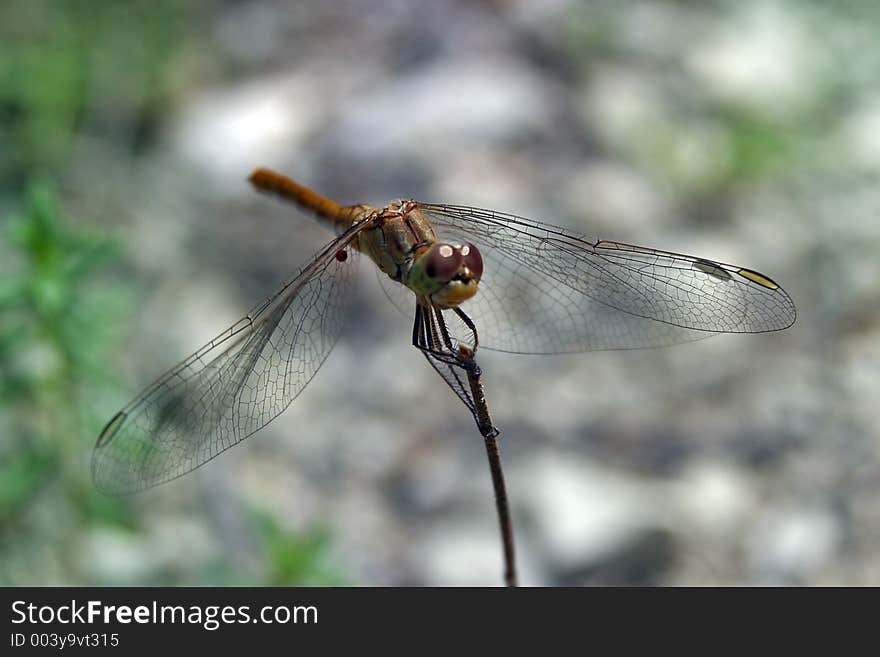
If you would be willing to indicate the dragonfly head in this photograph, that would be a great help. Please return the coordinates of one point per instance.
(448, 273)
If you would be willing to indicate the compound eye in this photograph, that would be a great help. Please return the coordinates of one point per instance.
(443, 262)
(472, 260)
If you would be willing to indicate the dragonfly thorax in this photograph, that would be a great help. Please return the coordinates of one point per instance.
(404, 245)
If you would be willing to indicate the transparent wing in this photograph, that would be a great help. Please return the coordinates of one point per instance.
(545, 290)
(233, 386)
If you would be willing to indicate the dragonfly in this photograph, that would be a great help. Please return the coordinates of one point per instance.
(470, 278)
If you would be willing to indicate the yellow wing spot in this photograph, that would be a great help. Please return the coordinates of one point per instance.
(110, 430)
(760, 279)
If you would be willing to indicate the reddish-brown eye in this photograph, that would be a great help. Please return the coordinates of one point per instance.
(443, 262)
(472, 260)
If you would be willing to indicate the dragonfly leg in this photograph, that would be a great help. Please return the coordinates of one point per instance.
(444, 331)
(431, 337)
(469, 323)
(461, 372)
(418, 328)
(426, 340)
(464, 355)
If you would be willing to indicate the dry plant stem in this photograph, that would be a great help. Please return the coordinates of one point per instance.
(493, 451)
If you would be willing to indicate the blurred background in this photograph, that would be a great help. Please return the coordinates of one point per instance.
(746, 132)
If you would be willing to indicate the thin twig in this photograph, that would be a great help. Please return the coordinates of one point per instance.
(493, 451)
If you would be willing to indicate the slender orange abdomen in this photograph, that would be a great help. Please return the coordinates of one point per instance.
(340, 216)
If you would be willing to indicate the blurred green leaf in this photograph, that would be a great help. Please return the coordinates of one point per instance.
(57, 56)
(53, 333)
(22, 474)
(296, 559)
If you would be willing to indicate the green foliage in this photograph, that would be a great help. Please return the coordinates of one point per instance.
(296, 559)
(47, 293)
(97, 67)
(61, 319)
(54, 339)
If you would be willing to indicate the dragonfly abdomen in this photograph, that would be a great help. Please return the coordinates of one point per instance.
(341, 217)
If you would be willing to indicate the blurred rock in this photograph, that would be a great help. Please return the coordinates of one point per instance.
(229, 132)
(792, 545)
(118, 557)
(583, 514)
